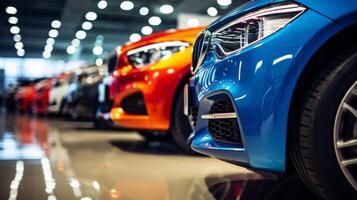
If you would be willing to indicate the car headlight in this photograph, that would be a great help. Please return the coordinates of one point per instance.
(252, 27)
(153, 53)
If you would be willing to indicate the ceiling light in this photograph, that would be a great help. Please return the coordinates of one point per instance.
(99, 61)
(97, 50)
(71, 49)
(53, 33)
(154, 20)
(212, 11)
(146, 30)
(11, 10)
(17, 38)
(48, 48)
(144, 11)
(13, 20)
(102, 4)
(87, 25)
(19, 45)
(224, 2)
(46, 54)
(91, 16)
(166, 9)
(20, 52)
(50, 41)
(75, 42)
(81, 35)
(15, 30)
(135, 37)
(56, 24)
(127, 5)
(192, 22)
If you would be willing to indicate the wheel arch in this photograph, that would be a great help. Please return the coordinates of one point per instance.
(338, 42)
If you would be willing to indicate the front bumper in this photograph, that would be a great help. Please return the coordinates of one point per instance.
(259, 80)
(153, 89)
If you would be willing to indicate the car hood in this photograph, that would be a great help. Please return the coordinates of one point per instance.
(251, 5)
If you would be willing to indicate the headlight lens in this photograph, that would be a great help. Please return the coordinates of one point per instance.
(253, 27)
(153, 53)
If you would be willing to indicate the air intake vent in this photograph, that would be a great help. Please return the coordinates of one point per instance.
(224, 130)
(134, 104)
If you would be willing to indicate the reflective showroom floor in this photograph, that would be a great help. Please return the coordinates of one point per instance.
(48, 158)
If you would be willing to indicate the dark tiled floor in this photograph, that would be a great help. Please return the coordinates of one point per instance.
(54, 159)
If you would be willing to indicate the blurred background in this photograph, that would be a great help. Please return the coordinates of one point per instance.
(56, 62)
(46, 37)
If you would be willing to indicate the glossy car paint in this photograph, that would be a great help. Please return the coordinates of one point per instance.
(158, 82)
(25, 97)
(260, 80)
(41, 99)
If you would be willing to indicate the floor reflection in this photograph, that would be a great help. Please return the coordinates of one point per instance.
(53, 159)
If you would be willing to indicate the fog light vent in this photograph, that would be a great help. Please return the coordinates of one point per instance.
(225, 130)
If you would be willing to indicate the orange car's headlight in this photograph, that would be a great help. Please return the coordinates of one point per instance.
(153, 53)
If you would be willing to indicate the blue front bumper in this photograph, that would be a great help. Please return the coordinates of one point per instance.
(260, 81)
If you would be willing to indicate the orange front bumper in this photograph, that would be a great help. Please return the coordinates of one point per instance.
(158, 85)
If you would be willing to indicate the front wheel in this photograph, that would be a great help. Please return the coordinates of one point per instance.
(323, 136)
(180, 126)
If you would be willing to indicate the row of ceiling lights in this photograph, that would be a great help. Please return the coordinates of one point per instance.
(125, 5)
(155, 20)
(87, 25)
(167, 9)
(50, 42)
(15, 30)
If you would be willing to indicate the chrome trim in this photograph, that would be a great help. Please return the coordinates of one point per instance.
(185, 100)
(219, 116)
(203, 49)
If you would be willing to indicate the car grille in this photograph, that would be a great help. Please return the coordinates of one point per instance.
(197, 51)
(200, 49)
(225, 130)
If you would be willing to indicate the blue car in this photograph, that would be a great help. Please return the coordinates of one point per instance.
(274, 88)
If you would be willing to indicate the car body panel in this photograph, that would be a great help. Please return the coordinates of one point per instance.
(261, 79)
(25, 97)
(158, 82)
(343, 11)
(41, 99)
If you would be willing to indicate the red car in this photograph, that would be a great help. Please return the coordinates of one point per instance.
(24, 98)
(41, 97)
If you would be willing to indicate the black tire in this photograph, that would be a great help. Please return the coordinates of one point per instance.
(311, 139)
(180, 127)
(153, 135)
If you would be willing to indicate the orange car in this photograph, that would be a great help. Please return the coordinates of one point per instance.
(148, 85)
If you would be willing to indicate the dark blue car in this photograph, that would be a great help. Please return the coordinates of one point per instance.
(275, 89)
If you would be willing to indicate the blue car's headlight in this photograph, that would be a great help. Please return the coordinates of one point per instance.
(252, 27)
(244, 31)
